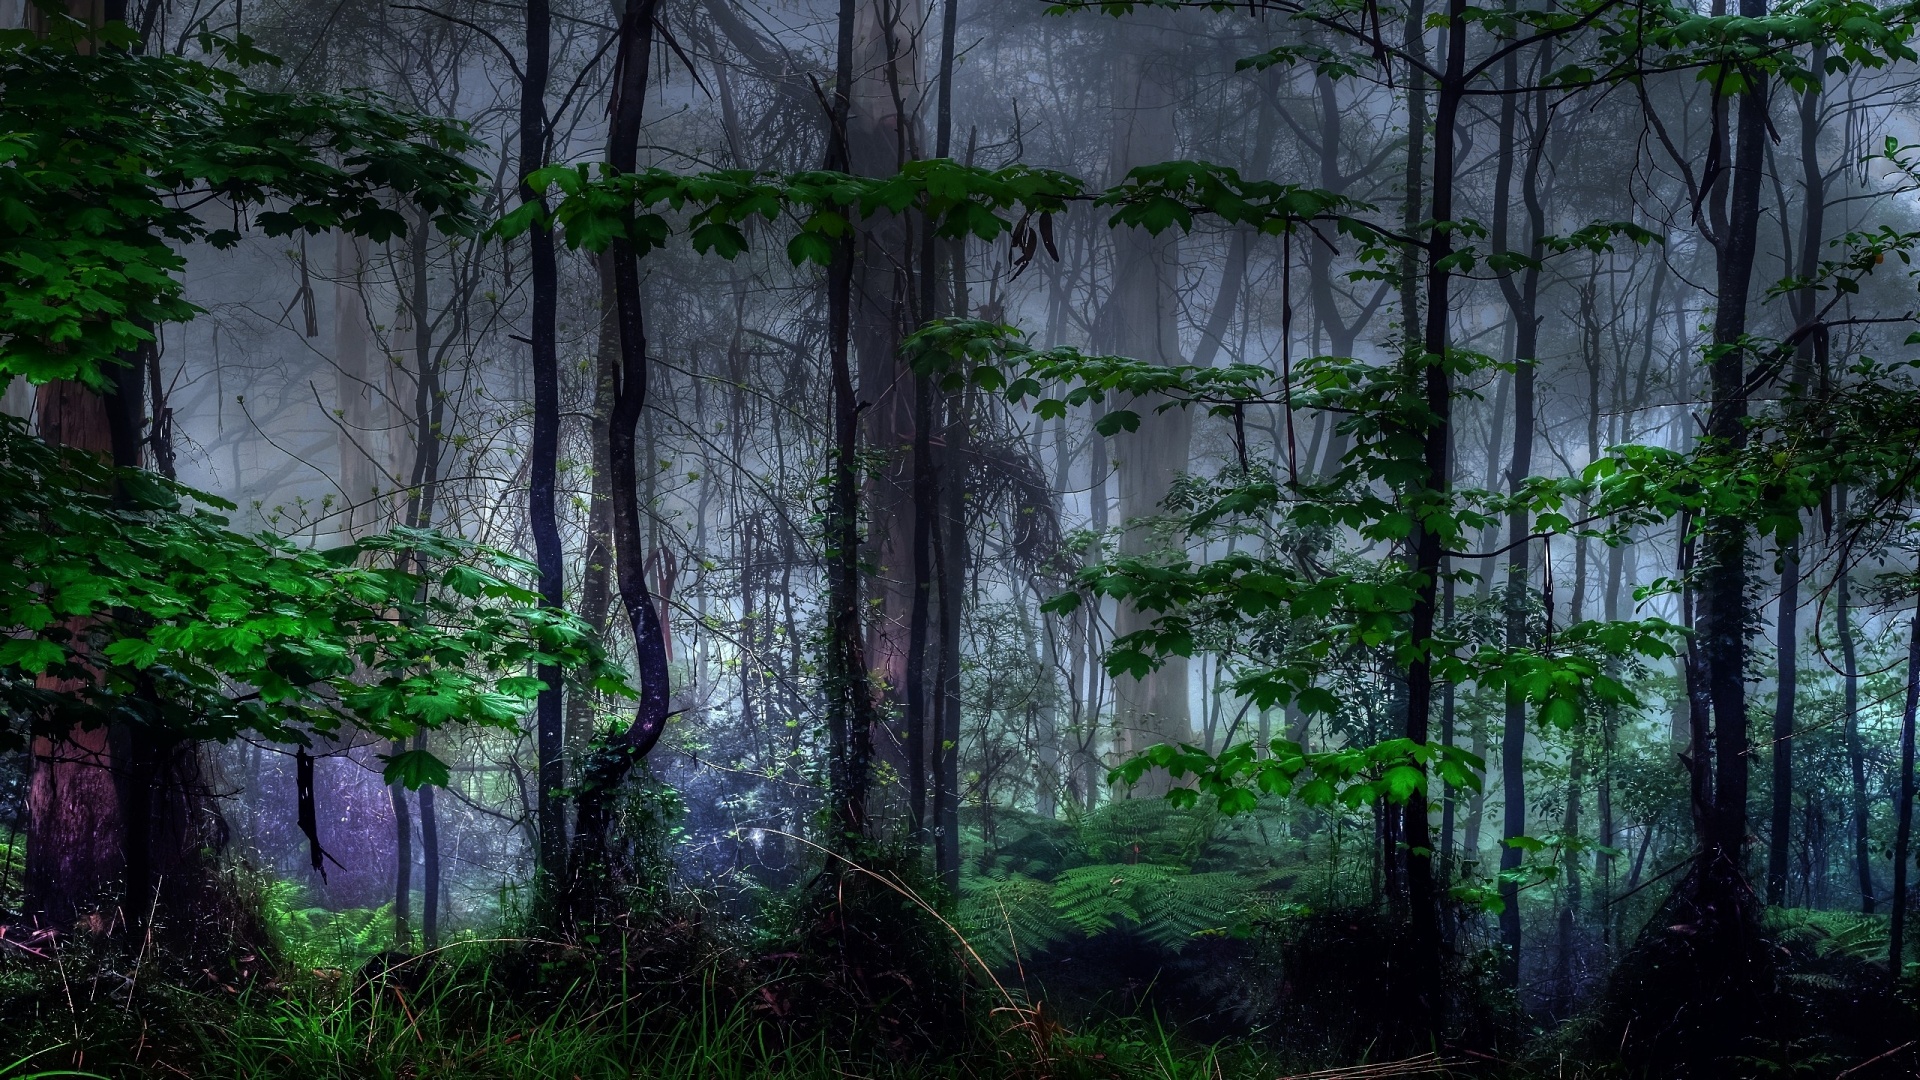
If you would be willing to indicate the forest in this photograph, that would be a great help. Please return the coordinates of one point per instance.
(1053, 539)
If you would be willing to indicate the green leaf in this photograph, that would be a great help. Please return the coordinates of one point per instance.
(415, 769)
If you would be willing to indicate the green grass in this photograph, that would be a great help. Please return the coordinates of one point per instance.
(465, 1026)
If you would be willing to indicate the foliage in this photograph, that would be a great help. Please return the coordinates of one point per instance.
(1126, 870)
(1378, 494)
(313, 937)
(107, 156)
(137, 597)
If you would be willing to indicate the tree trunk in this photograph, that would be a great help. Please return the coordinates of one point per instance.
(1903, 831)
(543, 452)
(882, 133)
(402, 860)
(849, 697)
(1787, 622)
(1522, 300)
(950, 564)
(429, 860)
(1422, 991)
(355, 392)
(1141, 320)
(1850, 708)
(605, 768)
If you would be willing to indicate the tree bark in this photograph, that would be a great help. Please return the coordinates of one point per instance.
(402, 860)
(544, 447)
(1903, 830)
(429, 859)
(606, 767)
(1141, 320)
(1523, 299)
(1435, 489)
(1850, 708)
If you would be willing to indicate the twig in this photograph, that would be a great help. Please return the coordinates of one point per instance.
(1877, 1058)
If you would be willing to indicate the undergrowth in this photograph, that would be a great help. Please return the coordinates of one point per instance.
(466, 1023)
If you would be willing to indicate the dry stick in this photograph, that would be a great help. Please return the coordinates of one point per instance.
(1877, 1058)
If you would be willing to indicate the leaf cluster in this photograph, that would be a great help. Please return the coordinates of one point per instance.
(108, 158)
(124, 598)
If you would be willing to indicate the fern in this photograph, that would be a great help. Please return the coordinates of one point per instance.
(1010, 918)
(1145, 831)
(1829, 935)
(314, 937)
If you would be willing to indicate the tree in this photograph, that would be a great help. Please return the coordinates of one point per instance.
(91, 287)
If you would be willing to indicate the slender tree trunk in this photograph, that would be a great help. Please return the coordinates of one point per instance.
(1422, 989)
(402, 860)
(1523, 305)
(921, 701)
(1141, 320)
(1903, 831)
(1850, 706)
(596, 573)
(1787, 622)
(607, 767)
(429, 860)
(1724, 576)
(849, 698)
(354, 386)
(543, 452)
(950, 559)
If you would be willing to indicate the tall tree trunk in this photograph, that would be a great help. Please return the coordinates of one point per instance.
(882, 133)
(76, 854)
(1903, 810)
(429, 860)
(606, 767)
(1422, 991)
(1787, 622)
(402, 860)
(950, 563)
(1523, 299)
(543, 452)
(596, 573)
(921, 703)
(91, 792)
(1141, 320)
(354, 388)
(423, 491)
(1850, 708)
(849, 697)
(1724, 577)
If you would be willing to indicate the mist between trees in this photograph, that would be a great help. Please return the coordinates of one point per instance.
(1361, 530)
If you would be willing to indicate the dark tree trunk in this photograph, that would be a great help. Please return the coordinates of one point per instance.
(1724, 576)
(76, 851)
(429, 860)
(1850, 708)
(544, 448)
(1523, 299)
(402, 860)
(950, 557)
(1787, 623)
(1903, 809)
(609, 765)
(1422, 990)
(921, 701)
(849, 697)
